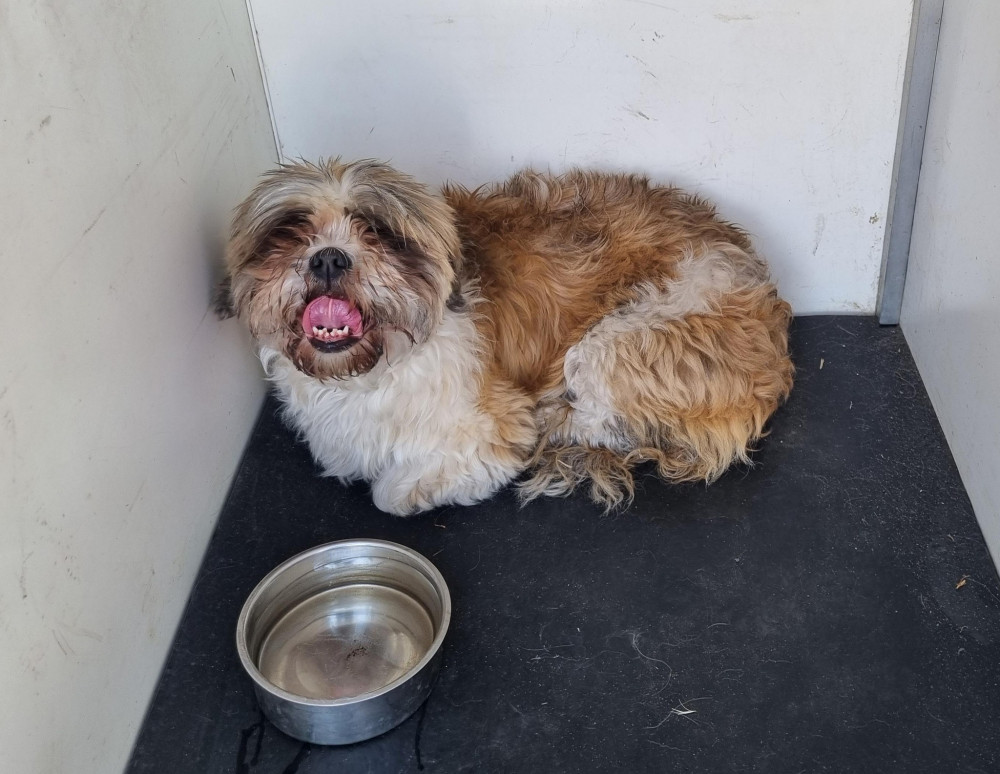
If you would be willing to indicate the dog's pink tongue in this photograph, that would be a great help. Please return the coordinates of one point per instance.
(332, 313)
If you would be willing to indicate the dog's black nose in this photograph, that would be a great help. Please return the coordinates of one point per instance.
(328, 264)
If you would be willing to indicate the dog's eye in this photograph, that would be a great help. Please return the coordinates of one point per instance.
(375, 226)
(282, 232)
(291, 223)
(389, 238)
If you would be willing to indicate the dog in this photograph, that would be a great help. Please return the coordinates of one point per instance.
(569, 327)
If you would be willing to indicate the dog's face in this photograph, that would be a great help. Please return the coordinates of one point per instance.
(328, 262)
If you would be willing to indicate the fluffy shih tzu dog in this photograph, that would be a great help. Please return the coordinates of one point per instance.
(570, 327)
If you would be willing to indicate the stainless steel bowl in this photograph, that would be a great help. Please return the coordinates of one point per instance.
(343, 641)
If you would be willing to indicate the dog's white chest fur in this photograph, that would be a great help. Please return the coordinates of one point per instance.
(412, 428)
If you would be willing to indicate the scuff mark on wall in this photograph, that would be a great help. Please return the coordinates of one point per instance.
(23, 577)
(63, 643)
(818, 233)
(635, 112)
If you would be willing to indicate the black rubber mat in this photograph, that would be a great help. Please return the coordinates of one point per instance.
(832, 609)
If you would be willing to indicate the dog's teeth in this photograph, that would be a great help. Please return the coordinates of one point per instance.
(330, 333)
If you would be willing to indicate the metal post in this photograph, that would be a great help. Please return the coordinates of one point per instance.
(917, 83)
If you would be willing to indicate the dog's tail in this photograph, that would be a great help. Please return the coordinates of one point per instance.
(558, 470)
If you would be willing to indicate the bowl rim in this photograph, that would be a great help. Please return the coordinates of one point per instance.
(258, 677)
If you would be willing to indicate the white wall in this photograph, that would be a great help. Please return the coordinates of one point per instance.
(784, 112)
(951, 306)
(127, 133)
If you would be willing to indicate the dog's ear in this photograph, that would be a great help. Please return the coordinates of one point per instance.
(222, 299)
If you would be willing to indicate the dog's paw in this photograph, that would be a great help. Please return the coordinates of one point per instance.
(406, 490)
(392, 497)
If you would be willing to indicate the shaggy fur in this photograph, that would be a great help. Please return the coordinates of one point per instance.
(574, 326)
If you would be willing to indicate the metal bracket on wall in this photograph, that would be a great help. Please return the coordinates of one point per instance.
(917, 83)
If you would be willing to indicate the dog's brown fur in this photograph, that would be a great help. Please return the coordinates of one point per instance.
(556, 255)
